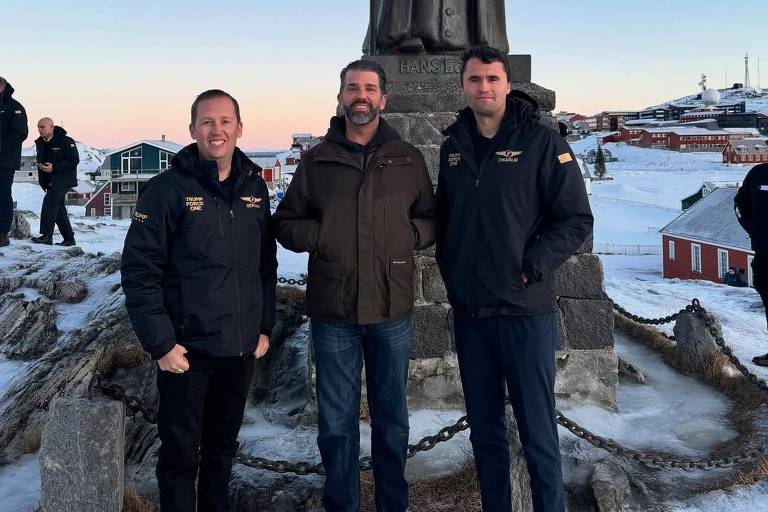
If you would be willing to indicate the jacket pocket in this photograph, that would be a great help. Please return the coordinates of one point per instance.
(325, 288)
(400, 282)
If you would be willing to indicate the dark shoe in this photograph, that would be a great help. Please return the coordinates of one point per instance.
(66, 243)
(761, 360)
(43, 239)
(4, 239)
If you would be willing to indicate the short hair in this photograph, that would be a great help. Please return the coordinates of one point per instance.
(3, 81)
(210, 94)
(487, 55)
(365, 65)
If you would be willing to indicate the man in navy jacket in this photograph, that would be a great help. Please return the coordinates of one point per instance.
(512, 207)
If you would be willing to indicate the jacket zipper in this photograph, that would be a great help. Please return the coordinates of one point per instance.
(218, 219)
(237, 277)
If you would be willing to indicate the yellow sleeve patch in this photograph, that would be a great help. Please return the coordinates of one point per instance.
(565, 158)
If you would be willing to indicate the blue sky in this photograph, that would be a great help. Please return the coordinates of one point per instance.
(113, 71)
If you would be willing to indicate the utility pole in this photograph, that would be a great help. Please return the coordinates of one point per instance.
(746, 70)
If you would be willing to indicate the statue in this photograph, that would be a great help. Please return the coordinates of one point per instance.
(436, 26)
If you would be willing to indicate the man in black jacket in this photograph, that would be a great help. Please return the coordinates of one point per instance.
(13, 131)
(199, 271)
(751, 204)
(57, 160)
(512, 207)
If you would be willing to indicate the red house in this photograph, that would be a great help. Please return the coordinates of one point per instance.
(705, 240)
(99, 205)
(746, 151)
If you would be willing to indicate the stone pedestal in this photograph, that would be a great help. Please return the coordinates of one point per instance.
(423, 96)
(81, 456)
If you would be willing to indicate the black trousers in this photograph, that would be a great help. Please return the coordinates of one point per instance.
(6, 201)
(760, 278)
(54, 211)
(516, 353)
(199, 416)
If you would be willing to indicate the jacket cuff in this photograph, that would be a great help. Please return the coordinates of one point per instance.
(161, 352)
(266, 331)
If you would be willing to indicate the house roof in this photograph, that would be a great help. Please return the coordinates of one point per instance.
(84, 187)
(751, 145)
(711, 220)
(265, 162)
(165, 145)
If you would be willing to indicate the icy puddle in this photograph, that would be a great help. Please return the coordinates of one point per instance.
(671, 412)
(8, 370)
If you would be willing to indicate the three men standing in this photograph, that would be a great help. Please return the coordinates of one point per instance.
(199, 272)
(751, 203)
(13, 131)
(512, 207)
(57, 159)
(359, 203)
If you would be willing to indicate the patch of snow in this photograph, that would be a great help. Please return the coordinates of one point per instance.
(20, 485)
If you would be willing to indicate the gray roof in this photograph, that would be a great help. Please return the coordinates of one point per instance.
(711, 220)
(165, 145)
(751, 146)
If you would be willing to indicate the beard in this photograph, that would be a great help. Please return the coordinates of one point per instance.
(361, 119)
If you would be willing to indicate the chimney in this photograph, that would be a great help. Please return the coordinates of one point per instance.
(162, 137)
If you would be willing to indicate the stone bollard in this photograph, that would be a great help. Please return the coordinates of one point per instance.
(693, 341)
(81, 456)
(519, 479)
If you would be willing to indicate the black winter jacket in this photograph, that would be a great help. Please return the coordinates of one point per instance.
(751, 203)
(200, 269)
(13, 129)
(522, 210)
(61, 151)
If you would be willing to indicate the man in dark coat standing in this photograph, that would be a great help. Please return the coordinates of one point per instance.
(57, 160)
(751, 204)
(512, 207)
(13, 131)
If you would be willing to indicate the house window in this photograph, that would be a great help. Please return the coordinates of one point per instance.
(165, 160)
(130, 161)
(750, 277)
(93, 212)
(722, 262)
(696, 258)
(106, 199)
(671, 250)
(129, 186)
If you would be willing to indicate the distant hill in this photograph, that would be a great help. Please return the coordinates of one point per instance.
(755, 99)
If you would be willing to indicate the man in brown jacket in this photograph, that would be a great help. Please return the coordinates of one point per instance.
(359, 203)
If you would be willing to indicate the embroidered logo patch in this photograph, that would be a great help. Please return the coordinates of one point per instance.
(194, 203)
(509, 156)
(251, 201)
(139, 217)
(565, 158)
(763, 187)
(17, 112)
(454, 159)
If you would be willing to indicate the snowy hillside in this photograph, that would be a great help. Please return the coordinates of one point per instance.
(756, 99)
(90, 158)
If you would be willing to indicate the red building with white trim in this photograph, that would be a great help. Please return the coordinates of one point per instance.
(705, 240)
(99, 205)
(746, 151)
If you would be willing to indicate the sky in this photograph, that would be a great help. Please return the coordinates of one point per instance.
(115, 72)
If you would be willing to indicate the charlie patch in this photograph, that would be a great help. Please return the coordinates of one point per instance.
(17, 111)
(251, 201)
(763, 187)
(139, 217)
(509, 156)
(454, 159)
(565, 158)
(194, 203)
(71, 145)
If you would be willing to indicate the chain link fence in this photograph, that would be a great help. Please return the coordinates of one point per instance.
(651, 460)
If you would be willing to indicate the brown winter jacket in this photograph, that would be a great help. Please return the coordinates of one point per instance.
(359, 212)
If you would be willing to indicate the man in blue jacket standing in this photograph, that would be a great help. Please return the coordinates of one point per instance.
(512, 207)
(13, 131)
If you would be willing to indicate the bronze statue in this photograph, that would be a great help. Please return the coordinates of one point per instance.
(437, 26)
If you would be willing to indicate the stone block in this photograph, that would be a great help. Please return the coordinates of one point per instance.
(445, 68)
(435, 383)
(421, 129)
(19, 227)
(81, 456)
(432, 331)
(693, 341)
(587, 375)
(587, 323)
(431, 154)
(581, 276)
(610, 486)
(432, 284)
(519, 478)
(544, 97)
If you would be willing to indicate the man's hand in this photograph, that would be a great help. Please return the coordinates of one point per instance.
(262, 346)
(47, 167)
(174, 361)
(524, 279)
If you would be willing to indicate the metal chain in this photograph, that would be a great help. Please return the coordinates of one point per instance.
(648, 321)
(293, 282)
(116, 392)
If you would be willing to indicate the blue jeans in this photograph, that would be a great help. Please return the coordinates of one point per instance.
(340, 350)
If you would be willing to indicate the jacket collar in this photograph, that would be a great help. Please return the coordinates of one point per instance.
(58, 133)
(337, 133)
(187, 161)
(520, 109)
